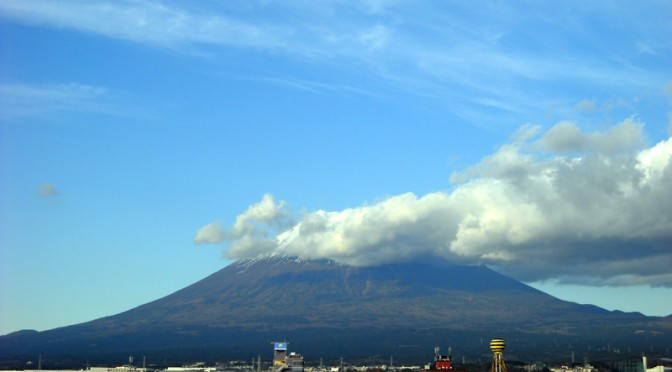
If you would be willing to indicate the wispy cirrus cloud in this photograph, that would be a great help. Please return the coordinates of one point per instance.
(442, 50)
(44, 100)
(149, 22)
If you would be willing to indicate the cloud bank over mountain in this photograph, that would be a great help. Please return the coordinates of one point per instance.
(570, 205)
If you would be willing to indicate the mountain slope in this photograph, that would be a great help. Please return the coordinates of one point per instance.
(326, 308)
(291, 293)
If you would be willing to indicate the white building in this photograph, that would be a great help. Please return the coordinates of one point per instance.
(662, 367)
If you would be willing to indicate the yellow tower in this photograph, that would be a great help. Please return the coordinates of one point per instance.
(497, 345)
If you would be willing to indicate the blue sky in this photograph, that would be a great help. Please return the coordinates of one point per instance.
(147, 144)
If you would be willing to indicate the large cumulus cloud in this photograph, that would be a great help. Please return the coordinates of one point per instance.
(576, 206)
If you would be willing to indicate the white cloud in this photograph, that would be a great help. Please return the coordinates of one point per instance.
(477, 62)
(375, 38)
(254, 230)
(584, 206)
(420, 48)
(586, 105)
(26, 100)
(47, 190)
(210, 234)
(144, 22)
(567, 137)
(668, 89)
(265, 214)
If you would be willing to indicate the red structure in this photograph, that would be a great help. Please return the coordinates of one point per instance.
(441, 363)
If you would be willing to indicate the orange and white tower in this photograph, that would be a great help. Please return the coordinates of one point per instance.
(497, 345)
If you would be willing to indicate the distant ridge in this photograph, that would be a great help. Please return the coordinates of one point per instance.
(332, 310)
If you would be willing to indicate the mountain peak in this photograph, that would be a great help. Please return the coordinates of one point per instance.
(322, 305)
